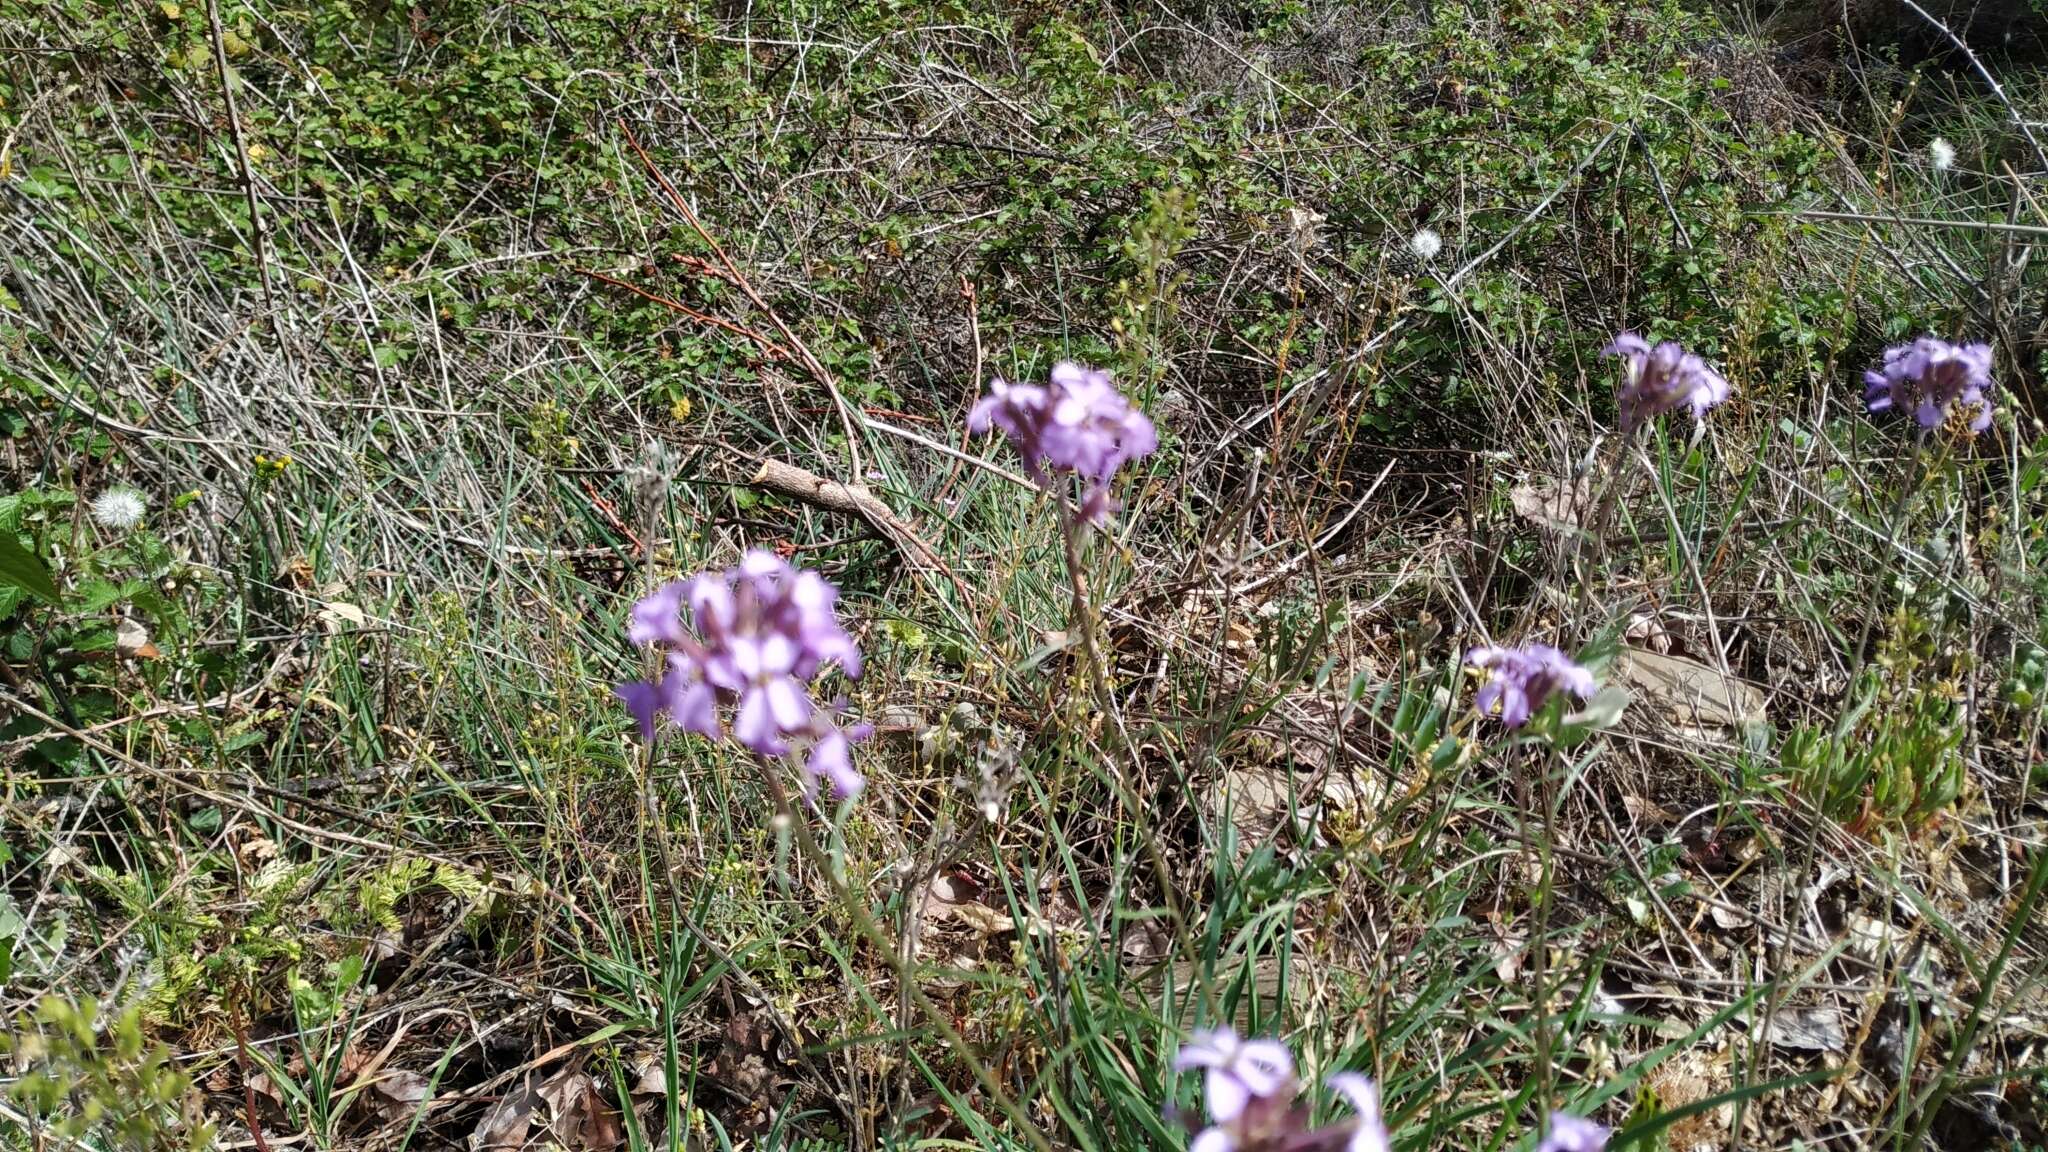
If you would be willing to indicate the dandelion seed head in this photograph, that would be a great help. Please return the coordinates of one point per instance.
(118, 509)
(1426, 243)
(1941, 154)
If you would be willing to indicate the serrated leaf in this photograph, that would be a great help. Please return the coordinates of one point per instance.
(23, 569)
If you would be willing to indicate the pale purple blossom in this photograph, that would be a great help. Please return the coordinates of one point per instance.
(1250, 1093)
(1235, 1072)
(831, 757)
(657, 619)
(1523, 679)
(1077, 423)
(1369, 1131)
(1929, 378)
(1661, 379)
(755, 635)
(1569, 1133)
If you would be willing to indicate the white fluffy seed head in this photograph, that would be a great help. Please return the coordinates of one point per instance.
(118, 509)
(1426, 244)
(1941, 154)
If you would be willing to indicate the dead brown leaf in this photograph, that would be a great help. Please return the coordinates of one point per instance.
(1690, 692)
(504, 1126)
(955, 897)
(397, 1094)
(1552, 506)
(579, 1116)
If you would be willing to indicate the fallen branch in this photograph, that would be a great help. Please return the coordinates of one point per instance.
(785, 479)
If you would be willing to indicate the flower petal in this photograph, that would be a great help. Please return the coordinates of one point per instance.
(1370, 1131)
(1226, 1095)
(644, 701)
(1265, 1066)
(831, 760)
(754, 724)
(787, 703)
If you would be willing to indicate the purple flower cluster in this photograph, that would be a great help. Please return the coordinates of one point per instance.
(1569, 1133)
(1078, 423)
(756, 634)
(1250, 1092)
(1662, 379)
(1523, 679)
(1249, 1089)
(1930, 377)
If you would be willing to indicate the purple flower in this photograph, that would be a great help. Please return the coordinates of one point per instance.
(1525, 678)
(1251, 1089)
(644, 700)
(1569, 1133)
(831, 757)
(1369, 1132)
(687, 697)
(755, 635)
(657, 619)
(1930, 377)
(1662, 379)
(1078, 423)
(759, 668)
(1236, 1072)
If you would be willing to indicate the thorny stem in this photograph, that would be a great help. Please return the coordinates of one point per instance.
(871, 932)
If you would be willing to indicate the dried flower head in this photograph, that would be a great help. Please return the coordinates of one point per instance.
(1931, 378)
(1077, 423)
(1304, 226)
(756, 635)
(1569, 1133)
(1661, 379)
(649, 476)
(118, 509)
(1941, 154)
(1523, 679)
(1426, 243)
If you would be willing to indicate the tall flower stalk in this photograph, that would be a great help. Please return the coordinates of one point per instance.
(756, 637)
(1078, 427)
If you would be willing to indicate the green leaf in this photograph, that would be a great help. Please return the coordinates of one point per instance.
(22, 569)
(1602, 710)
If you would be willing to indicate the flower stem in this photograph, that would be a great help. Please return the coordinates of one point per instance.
(1098, 678)
(902, 966)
